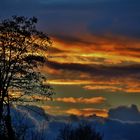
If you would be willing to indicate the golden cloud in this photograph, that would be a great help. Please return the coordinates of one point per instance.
(88, 112)
(48, 107)
(114, 50)
(103, 87)
(69, 82)
(115, 85)
(94, 100)
(109, 64)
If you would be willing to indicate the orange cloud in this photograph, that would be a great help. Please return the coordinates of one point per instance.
(69, 82)
(114, 50)
(84, 81)
(133, 90)
(115, 85)
(88, 112)
(48, 107)
(103, 87)
(49, 70)
(96, 63)
(94, 100)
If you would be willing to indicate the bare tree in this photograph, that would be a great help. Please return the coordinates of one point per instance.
(82, 132)
(22, 50)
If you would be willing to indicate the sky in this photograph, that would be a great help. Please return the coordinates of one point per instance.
(94, 63)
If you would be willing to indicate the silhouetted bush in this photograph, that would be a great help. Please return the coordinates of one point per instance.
(81, 132)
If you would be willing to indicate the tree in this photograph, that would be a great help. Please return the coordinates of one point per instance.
(22, 51)
(82, 132)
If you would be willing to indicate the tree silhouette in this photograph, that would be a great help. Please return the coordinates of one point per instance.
(22, 51)
(82, 132)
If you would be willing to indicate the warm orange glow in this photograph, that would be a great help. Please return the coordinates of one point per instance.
(125, 85)
(88, 112)
(71, 64)
(112, 51)
(103, 87)
(69, 82)
(94, 100)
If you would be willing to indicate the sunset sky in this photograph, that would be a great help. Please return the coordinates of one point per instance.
(94, 62)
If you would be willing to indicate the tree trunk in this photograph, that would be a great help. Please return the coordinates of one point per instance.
(1, 105)
(10, 131)
(5, 120)
(8, 122)
(1, 110)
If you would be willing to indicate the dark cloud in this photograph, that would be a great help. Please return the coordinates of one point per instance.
(98, 70)
(121, 17)
(116, 130)
(56, 50)
(74, 40)
(117, 17)
(125, 113)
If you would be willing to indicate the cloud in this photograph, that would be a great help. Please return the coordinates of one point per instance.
(125, 113)
(114, 18)
(72, 40)
(91, 45)
(103, 87)
(92, 67)
(88, 112)
(96, 17)
(113, 58)
(110, 71)
(126, 85)
(69, 82)
(113, 129)
(94, 100)
(18, 7)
